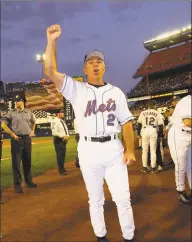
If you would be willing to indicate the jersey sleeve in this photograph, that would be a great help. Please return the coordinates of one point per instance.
(185, 108)
(33, 119)
(70, 88)
(123, 113)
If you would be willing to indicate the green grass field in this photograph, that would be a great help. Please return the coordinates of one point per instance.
(43, 158)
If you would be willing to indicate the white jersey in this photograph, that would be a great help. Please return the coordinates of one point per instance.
(182, 111)
(163, 118)
(59, 128)
(75, 126)
(98, 111)
(150, 118)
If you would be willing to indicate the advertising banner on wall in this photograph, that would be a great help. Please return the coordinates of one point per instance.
(15, 88)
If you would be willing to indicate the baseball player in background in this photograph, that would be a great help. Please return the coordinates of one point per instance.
(169, 111)
(149, 123)
(101, 111)
(179, 141)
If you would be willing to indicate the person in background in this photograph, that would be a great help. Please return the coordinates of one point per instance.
(150, 127)
(179, 141)
(77, 140)
(170, 109)
(20, 125)
(60, 138)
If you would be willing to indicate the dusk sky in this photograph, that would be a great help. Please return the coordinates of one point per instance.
(118, 28)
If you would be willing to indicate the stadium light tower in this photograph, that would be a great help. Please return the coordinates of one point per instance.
(40, 58)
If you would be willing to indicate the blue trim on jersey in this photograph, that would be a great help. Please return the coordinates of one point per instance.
(65, 83)
(127, 119)
(96, 107)
(102, 112)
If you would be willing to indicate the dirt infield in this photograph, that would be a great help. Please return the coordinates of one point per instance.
(58, 211)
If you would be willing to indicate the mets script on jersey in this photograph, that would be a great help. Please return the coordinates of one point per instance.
(97, 114)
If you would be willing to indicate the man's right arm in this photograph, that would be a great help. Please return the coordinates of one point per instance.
(64, 84)
(50, 64)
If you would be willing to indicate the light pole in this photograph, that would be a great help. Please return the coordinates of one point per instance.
(40, 58)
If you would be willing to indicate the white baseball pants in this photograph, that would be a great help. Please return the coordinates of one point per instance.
(99, 161)
(149, 140)
(180, 148)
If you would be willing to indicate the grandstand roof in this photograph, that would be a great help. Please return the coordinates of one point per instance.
(169, 39)
(166, 59)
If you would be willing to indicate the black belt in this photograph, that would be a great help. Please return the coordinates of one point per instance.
(187, 131)
(22, 135)
(101, 139)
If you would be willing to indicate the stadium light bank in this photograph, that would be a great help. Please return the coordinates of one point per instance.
(170, 34)
(40, 58)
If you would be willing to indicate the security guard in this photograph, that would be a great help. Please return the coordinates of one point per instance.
(60, 138)
(20, 125)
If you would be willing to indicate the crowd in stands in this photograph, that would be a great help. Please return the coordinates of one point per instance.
(165, 59)
(139, 106)
(35, 89)
(158, 85)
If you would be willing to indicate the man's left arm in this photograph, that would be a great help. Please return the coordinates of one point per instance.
(124, 117)
(128, 137)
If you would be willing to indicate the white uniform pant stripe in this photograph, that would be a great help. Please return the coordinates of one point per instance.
(180, 148)
(149, 141)
(94, 181)
(116, 176)
(121, 196)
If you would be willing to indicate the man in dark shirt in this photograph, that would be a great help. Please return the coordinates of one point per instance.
(20, 125)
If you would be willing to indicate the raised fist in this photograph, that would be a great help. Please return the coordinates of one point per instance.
(53, 32)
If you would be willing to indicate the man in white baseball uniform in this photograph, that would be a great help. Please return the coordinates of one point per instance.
(100, 110)
(149, 122)
(179, 141)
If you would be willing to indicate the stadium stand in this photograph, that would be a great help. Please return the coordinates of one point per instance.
(165, 59)
(166, 71)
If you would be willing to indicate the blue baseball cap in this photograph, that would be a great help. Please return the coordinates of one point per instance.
(95, 53)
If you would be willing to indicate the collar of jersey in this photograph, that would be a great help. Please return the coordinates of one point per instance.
(103, 88)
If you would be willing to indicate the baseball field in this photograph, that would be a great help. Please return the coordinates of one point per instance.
(57, 210)
(43, 157)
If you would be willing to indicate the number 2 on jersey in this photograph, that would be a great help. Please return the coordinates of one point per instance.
(150, 121)
(111, 118)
